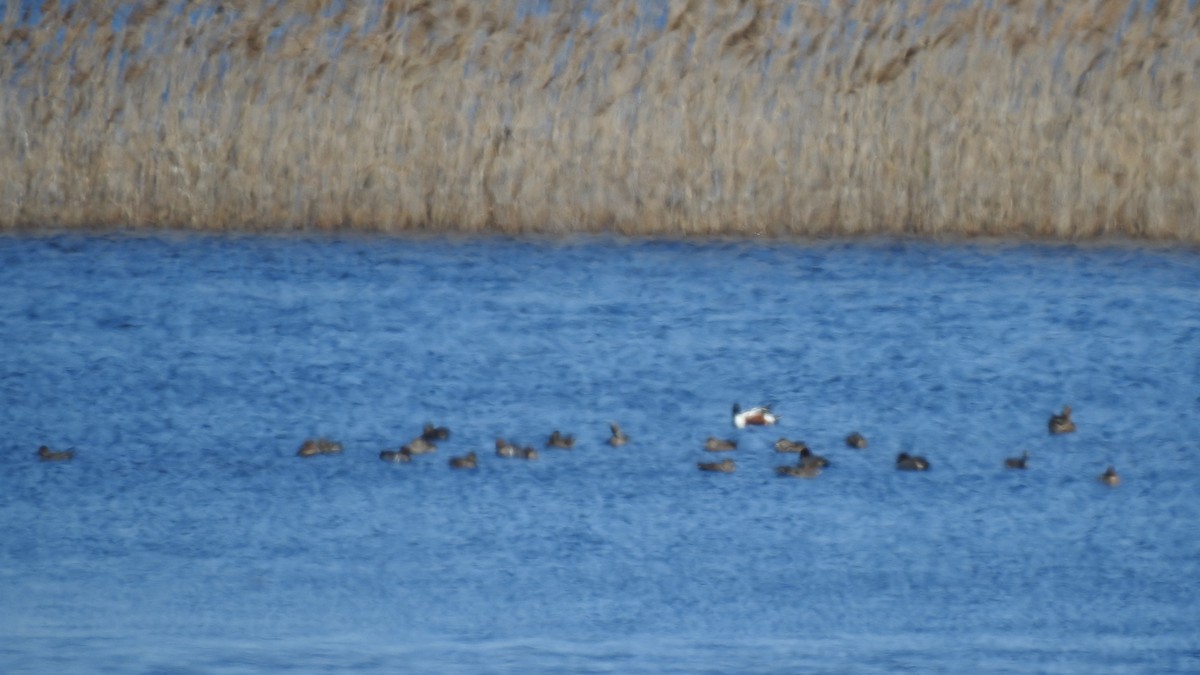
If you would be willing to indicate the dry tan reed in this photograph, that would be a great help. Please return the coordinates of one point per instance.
(706, 117)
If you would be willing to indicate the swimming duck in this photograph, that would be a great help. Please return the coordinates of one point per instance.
(1062, 424)
(785, 445)
(467, 461)
(719, 444)
(1110, 477)
(906, 462)
(529, 453)
(856, 440)
(807, 458)
(757, 416)
(723, 466)
(319, 446)
(798, 471)
(420, 446)
(505, 449)
(397, 456)
(557, 440)
(47, 455)
(618, 437)
(432, 433)
(1017, 462)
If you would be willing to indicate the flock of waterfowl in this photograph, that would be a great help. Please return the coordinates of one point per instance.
(808, 464)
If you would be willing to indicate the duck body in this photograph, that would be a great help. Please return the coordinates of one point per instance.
(511, 451)
(907, 462)
(432, 433)
(856, 440)
(756, 416)
(618, 437)
(318, 446)
(47, 455)
(558, 440)
(1110, 477)
(713, 444)
(785, 445)
(467, 461)
(401, 456)
(505, 449)
(798, 471)
(808, 459)
(420, 446)
(1062, 422)
(723, 466)
(1016, 462)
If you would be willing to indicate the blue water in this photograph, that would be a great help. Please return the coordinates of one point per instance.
(186, 536)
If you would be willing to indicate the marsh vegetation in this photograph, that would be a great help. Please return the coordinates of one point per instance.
(697, 117)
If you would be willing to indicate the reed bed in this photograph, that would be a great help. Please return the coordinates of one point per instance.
(697, 117)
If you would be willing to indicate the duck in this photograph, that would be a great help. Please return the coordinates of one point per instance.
(400, 456)
(719, 444)
(757, 416)
(432, 433)
(907, 462)
(557, 440)
(318, 446)
(1017, 462)
(529, 453)
(785, 445)
(467, 461)
(1062, 423)
(856, 440)
(1110, 477)
(723, 466)
(47, 455)
(618, 437)
(798, 471)
(420, 446)
(505, 449)
(808, 459)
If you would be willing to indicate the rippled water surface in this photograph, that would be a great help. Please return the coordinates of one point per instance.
(186, 535)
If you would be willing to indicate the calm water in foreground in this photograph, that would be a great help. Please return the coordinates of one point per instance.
(186, 536)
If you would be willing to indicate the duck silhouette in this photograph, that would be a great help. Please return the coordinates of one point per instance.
(47, 455)
(467, 461)
(799, 471)
(785, 445)
(420, 446)
(505, 449)
(618, 437)
(1062, 422)
(432, 433)
(400, 456)
(723, 466)
(807, 458)
(557, 440)
(318, 446)
(1110, 477)
(756, 416)
(907, 462)
(1017, 462)
(719, 444)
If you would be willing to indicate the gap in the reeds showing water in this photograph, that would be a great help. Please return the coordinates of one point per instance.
(1055, 120)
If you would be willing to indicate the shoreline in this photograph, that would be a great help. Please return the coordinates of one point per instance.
(1107, 241)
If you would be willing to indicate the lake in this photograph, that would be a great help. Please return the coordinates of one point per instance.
(186, 535)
